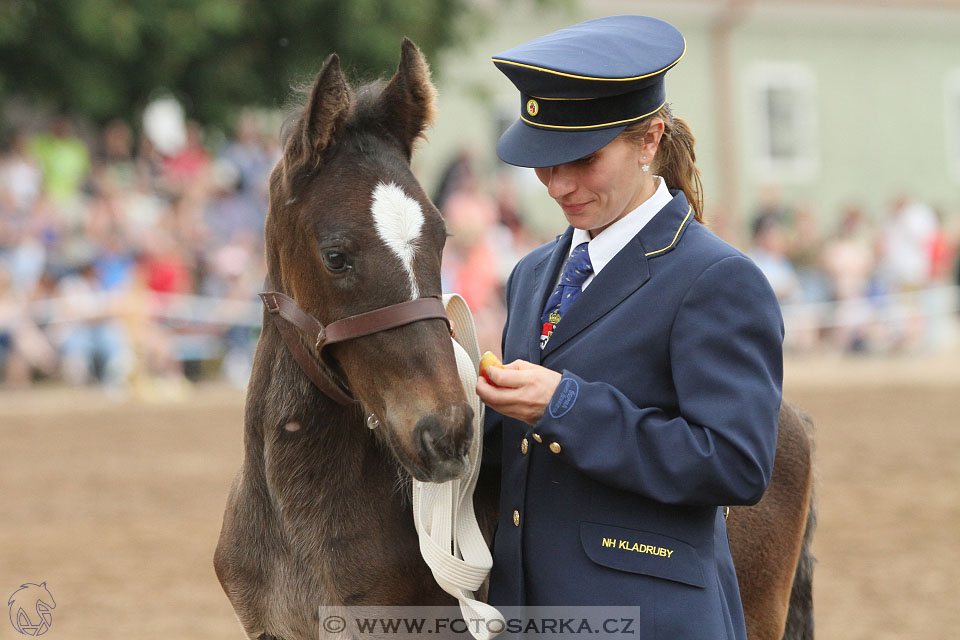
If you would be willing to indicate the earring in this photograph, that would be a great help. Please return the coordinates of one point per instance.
(644, 167)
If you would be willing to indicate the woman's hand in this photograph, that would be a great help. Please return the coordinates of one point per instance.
(523, 390)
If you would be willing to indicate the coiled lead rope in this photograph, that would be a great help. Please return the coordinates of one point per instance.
(450, 539)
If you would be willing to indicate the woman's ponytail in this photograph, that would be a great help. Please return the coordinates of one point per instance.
(675, 161)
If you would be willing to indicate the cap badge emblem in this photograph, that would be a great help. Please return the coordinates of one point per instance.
(532, 107)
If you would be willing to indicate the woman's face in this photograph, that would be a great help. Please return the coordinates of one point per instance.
(599, 189)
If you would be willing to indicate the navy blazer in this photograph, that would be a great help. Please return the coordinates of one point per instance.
(672, 367)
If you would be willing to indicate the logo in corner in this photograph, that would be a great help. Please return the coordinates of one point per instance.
(30, 608)
(564, 397)
(532, 107)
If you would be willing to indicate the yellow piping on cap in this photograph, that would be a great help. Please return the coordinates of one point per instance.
(677, 235)
(542, 98)
(591, 126)
(579, 77)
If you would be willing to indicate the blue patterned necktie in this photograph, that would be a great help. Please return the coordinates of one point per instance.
(575, 272)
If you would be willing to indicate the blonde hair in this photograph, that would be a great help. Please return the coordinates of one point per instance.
(675, 161)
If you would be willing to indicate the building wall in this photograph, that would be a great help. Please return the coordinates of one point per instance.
(879, 78)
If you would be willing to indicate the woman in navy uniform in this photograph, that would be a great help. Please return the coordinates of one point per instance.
(644, 353)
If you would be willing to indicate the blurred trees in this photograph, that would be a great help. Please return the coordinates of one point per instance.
(107, 58)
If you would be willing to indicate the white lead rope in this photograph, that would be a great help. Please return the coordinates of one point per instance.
(450, 538)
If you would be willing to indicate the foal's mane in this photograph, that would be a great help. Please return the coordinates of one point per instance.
(366, 110)
(334, 111)
(362, 97)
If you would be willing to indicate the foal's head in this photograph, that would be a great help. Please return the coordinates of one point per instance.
(350, 230)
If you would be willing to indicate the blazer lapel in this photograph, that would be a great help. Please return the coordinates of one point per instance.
(623, 275)
(628, 271)
(545, 275)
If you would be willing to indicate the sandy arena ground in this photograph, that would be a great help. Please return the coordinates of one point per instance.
(117, 505)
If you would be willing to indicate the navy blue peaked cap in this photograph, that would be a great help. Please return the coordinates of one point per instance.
(581, 86)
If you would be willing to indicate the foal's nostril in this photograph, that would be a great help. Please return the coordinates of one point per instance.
(425, 436)
(431, 440)
(445, 437)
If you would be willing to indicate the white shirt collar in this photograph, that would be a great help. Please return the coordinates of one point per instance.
(611, 240)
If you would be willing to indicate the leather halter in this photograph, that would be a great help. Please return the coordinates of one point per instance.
(396, 315)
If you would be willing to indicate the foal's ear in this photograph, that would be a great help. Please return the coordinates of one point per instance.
(324, 115)
(408, 99)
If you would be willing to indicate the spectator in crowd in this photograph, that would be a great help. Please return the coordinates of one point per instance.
(233, 210)
(24, 255)
(903, 247)
(768, 251)
(455, 175)
(116, 168)
(470, 257)
(24, 347)
(232, 270)
(771, 205)
(21, 179)
(8, 318)
(94, 345)
(849, 263)
(936, 299)
(955, 245)
(185, 170)
(942, 252)
(63, 158)
(252, 162)
(803, 249)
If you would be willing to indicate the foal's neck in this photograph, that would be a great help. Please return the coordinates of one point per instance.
(296, 425)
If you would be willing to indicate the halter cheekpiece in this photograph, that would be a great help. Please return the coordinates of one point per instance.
(284, 308)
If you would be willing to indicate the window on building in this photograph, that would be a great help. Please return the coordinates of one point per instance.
(952, 125)
(783, 101)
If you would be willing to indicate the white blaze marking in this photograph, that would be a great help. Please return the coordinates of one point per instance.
(398, 219)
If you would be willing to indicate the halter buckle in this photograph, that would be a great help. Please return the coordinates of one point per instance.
(270, 302)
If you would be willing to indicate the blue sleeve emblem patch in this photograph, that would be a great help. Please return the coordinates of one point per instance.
(564, 398)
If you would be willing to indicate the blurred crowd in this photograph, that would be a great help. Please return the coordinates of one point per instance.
(133, 263)
(873, 284)
(109, 245)
(865, 284)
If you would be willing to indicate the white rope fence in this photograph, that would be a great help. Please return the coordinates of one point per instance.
(885, 308)
(188, 309)
(931, 304)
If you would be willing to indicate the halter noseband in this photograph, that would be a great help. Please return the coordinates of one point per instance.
(364, 324)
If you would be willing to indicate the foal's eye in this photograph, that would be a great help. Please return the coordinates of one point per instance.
(334, 261)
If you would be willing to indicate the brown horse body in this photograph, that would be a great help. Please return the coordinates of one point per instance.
(770, 541)
(320, 513)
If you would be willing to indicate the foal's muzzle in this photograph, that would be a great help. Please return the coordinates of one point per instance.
(442, 440)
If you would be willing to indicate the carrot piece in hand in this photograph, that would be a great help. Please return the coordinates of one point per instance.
(487, 360)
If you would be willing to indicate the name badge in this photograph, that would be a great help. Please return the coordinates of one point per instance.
(641, 552)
